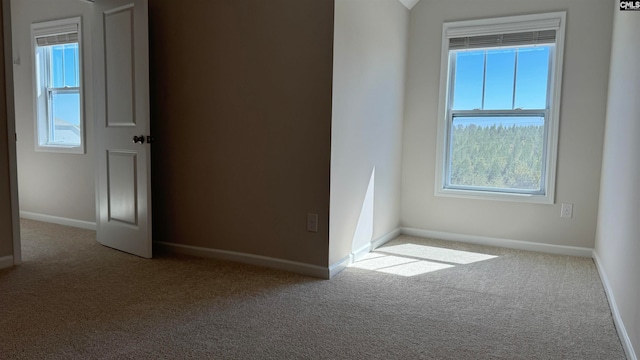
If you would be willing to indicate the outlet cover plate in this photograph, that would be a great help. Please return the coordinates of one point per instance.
(312, 222)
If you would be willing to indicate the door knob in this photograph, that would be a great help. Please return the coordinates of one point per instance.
(138, 139)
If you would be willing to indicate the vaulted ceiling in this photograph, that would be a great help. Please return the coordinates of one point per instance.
(409, 3)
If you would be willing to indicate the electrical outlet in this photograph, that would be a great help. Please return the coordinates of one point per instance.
(312, 222)
(566, 211)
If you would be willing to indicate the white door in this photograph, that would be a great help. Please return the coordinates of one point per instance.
(121, 70)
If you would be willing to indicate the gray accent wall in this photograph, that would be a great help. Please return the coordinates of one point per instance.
(370, 52)
(582, 114)
(241, 114)
(618, 233)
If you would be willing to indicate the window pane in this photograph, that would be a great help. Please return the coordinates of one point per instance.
(531, 77)
(65, 113)
(70, 65)
(497, 152)
(469, 74)
(498, 92)
(57, 69)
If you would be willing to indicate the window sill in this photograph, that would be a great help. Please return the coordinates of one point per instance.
(60, 149)
(496, 196)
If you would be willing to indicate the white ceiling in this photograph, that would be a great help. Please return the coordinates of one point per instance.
(409, 3)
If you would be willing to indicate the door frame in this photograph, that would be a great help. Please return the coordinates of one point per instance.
(11, 130)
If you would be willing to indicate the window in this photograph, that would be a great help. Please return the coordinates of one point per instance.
(500, 91)
(58, 86)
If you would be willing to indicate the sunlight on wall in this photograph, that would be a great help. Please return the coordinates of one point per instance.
(412, 259)
(364, 229)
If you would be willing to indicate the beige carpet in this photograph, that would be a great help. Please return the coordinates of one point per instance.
(413, 299)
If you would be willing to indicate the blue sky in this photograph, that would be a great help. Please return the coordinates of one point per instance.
(528, 64)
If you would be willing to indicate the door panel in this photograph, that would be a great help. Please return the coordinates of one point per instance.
(121, 66)
(122, 187)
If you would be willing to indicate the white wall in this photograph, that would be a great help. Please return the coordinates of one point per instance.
(618, 232)
(586, 65)
(52, 184)
(370, 47)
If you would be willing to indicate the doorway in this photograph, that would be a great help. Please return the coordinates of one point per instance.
(55, 185)
(62, 186)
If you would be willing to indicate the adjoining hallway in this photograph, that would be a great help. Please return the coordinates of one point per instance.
(74, 298)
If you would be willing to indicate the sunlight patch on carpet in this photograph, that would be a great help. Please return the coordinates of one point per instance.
(396, 265)
(435, 253)
(413, 259)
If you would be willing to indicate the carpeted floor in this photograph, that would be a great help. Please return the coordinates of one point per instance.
(412, 299)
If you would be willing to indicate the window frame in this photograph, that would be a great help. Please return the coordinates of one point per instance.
(511, 24)
(41, 91)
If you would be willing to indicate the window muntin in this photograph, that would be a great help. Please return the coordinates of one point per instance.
(58, 90)
(500, 75)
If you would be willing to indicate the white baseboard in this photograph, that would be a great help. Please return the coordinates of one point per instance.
(6, 262)
(358, 254)
(385, 238)
(340, 265)
(617, 319)
(259, 260)
(504, 243)
(58, 220)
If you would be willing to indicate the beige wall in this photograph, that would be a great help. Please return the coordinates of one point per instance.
(618, 234)
(61, 185)
(6, 234)
(370, 47)
(241, 111)
(582, 113)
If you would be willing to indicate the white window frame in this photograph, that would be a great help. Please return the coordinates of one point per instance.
(512, 24)
(41, 93)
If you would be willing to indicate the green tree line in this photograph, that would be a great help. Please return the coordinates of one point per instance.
(497, 156)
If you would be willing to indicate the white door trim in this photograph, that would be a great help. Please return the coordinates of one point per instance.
(11, 130)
